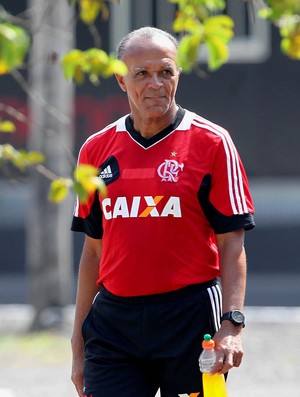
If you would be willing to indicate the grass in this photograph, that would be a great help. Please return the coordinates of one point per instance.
(35, 349)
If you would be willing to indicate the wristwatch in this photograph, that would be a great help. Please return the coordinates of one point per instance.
(235, 316)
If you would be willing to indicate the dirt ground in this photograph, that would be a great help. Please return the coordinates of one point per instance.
(35, 365)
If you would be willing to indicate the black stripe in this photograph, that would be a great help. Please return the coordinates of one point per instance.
(146, 143)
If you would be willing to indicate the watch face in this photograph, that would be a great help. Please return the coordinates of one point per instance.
(238, 317)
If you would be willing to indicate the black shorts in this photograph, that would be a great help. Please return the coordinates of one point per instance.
(136, 345)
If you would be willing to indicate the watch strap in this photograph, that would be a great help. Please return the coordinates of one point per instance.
(231, 317)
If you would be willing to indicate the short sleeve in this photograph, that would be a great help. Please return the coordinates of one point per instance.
(87, 217)
(224, 193)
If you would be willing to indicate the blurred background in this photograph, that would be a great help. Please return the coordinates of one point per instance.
(256, 96)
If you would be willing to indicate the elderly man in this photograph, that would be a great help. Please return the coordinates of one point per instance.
(172, 222)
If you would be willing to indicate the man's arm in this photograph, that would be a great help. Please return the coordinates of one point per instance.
(86, 291)
(233, 277)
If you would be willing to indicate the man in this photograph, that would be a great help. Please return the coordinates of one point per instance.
(173, 220)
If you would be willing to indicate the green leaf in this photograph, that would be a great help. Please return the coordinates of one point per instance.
(84, 171)
(291, 46)
(80, 191)
(265, 13)
(33, 157)
(113, 66)
(78, 75)
(194, 19)
(14, 44)
(70, 62)
(87, 180)
(7, 126)
(186, 24)
(90, 9)
(119, 67)
(8, 152)
(93, 62)
(188, 52)
(20, 158)
(219, 27)
(58, 190)
(94, 79)
(219, 22)
(218, 53)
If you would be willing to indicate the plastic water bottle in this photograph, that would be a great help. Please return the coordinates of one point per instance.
(207, 357)
(213, 385)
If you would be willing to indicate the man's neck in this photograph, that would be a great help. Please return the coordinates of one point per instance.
(148, 127)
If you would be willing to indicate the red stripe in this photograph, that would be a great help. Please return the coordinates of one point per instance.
(138, 173)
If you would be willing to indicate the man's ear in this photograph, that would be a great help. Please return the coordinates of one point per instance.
(120, 80)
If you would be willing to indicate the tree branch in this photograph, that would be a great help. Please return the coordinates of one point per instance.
(56, 113)
(16, 114)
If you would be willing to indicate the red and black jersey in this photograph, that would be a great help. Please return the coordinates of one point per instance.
(167, 197)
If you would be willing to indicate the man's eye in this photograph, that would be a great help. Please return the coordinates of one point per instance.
(141, 73)
(167, 72)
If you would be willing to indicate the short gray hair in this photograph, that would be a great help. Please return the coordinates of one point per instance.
(147, 32)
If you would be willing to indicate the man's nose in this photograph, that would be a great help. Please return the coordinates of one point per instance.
(155, 81)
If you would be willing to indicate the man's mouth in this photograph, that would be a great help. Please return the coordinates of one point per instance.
(155, 97)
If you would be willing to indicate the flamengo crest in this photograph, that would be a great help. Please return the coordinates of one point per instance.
(169, 170)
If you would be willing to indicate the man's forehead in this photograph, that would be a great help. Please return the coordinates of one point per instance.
(144, 45)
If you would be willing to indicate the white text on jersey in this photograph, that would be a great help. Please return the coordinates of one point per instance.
(141, 207)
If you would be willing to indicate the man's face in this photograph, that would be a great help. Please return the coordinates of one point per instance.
(152, 77)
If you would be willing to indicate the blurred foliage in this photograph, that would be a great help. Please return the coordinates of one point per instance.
(21, 159)
(84, 184)
(7, 126)
(89, 10)
(285, 14)
(199, 23)
(14, 45)
(59, 189)
(194, 20)
(93, 62)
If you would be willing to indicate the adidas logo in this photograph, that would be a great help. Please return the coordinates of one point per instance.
(106, 173)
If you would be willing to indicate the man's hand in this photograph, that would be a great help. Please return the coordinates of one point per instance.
(228, 346)
(86, 290)
(77, 371)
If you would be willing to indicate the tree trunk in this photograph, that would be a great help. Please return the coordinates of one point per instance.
(49, 240)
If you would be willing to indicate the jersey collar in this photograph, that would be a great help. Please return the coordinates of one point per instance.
(146, 143)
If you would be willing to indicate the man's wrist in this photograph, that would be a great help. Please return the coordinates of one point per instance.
(236, 317)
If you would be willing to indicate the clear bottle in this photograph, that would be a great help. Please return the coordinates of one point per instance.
(213, 385)
(207, 357)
